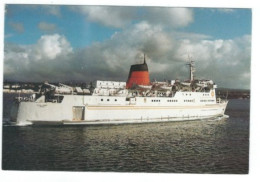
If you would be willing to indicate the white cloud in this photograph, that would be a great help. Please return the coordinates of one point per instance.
(120, 17)
(51, 46)
(224, 61)
(176, 17)
(52, 10)
(226, 10)
(18, 27)
(107, 15)
(36, 62)
(47, 27)
(227, 62)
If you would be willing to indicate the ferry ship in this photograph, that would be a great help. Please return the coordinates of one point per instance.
(136, 101)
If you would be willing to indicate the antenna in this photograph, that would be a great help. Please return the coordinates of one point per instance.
(191, 64)
(144, 59)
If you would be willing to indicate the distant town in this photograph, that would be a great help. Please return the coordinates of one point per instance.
(27, 87)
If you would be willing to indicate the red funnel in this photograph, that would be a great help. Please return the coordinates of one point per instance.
(138, 75)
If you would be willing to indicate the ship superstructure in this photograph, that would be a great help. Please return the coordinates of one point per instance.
(134, 101)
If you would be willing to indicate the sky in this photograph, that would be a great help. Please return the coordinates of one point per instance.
(86, 43)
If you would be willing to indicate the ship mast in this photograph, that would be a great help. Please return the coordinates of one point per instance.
(191, 64)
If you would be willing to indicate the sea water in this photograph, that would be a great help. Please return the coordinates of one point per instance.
(204, 146)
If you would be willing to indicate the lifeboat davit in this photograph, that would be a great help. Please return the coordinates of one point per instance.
(138, 75)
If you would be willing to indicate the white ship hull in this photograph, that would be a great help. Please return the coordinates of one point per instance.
(136, 101)
(90, 110)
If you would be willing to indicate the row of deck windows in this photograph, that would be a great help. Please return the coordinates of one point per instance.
(167, 100)
(156, 100)
(188, 100)
(172, 100)
(207, 100)
(107, 100)
(186, 94)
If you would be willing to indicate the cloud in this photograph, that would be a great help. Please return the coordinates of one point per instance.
(173, 17)
(37, 62)
(6, 36)
(226, 10)
(120, 17)
(227, 62)
(18, 27)
(107, 15)
(52, 10)
(49, 47)
(12, 10)
(224, 61)
(47, 27)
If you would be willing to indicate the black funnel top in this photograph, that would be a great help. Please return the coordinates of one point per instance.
(139, 67)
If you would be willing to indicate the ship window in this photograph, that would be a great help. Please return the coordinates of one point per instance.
(107, 99)
(115, 99)
(101, 99)
(55, 99)
(127, 99)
